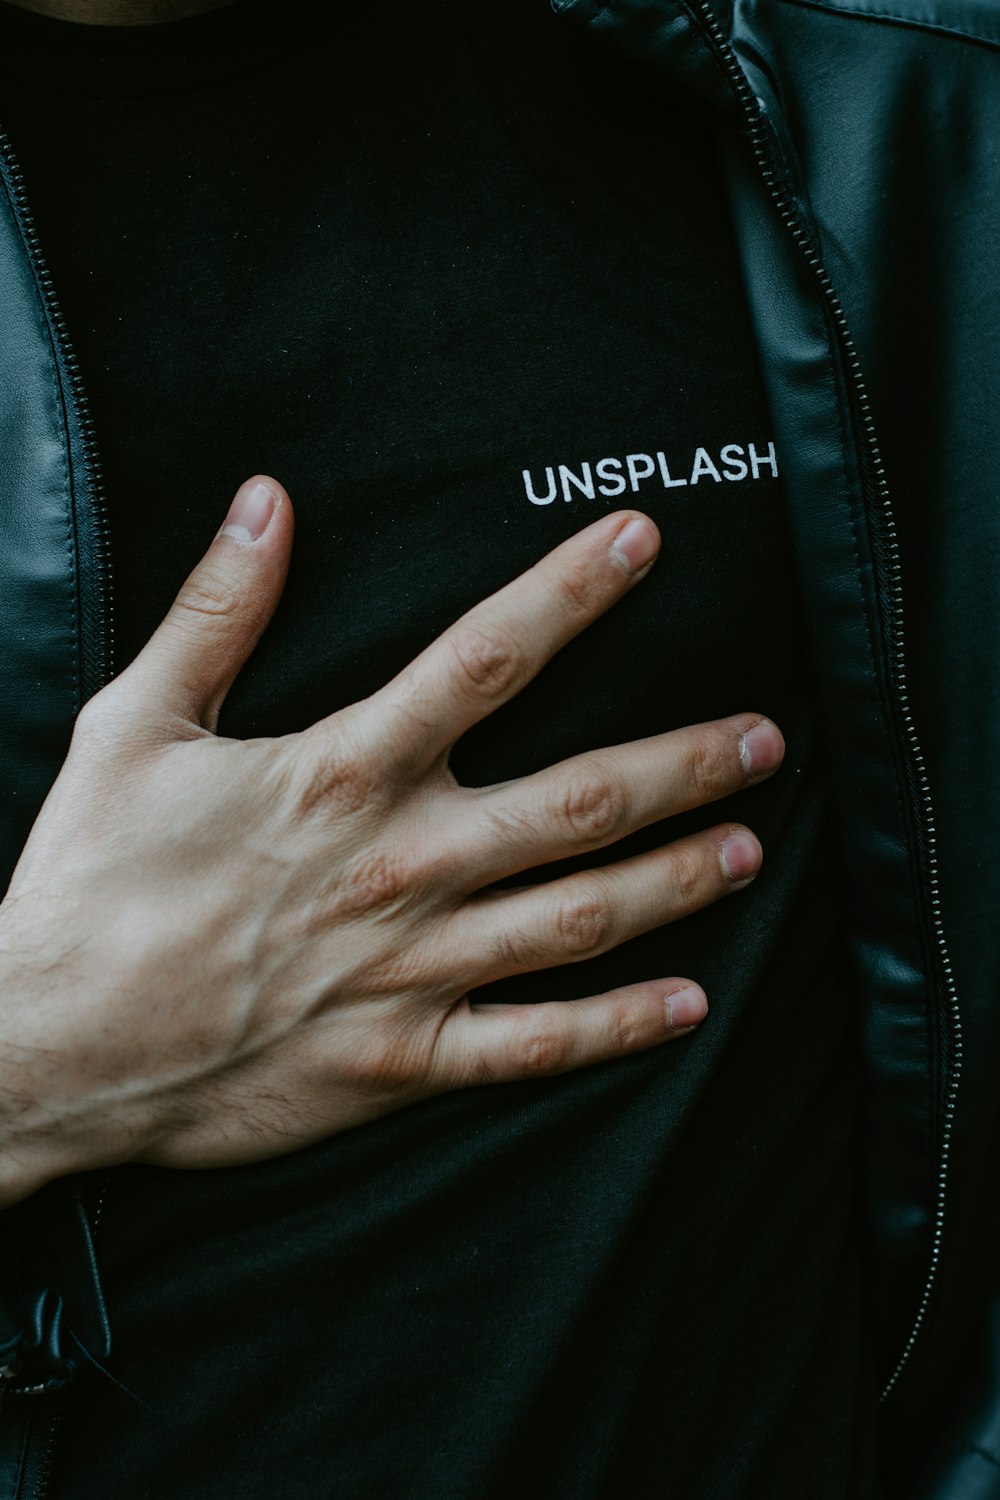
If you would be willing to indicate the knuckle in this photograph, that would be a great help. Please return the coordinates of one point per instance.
(377, 883)
(337, 782)
(487, 661)
(544, 1049)
(592, 809)
(577, 587)
(345, 784)
(688, 876)
(710, 768)
(624, 1028)
(583, 924)
(209, 593)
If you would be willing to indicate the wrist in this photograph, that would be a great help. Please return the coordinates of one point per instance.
(35, 1144)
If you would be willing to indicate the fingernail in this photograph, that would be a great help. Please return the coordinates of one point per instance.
(686, 1008)
(761, 749)
(741, 855)
(250, 513)
(636, 545)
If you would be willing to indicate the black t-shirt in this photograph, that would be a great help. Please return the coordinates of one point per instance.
(465, 281)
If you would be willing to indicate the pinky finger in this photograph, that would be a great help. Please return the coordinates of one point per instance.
(507, 1043)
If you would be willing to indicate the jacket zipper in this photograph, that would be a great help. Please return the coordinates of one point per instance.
(43, 1474)
(920, 799)
(91, 522)
(97, 622)
(93, 570)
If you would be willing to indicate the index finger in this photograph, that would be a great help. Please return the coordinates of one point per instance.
(494, 650)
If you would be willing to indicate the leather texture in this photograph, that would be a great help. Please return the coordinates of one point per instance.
(861, 144)
(894, 122)
(53, 1323)
(39, 607)
(16, 1426)
(883, 123)
(44, 489)
(832, 530)
(47, 1335)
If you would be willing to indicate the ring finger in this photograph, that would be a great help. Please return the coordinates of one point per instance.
(502, 933)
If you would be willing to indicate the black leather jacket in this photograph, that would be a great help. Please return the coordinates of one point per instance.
(862, 141)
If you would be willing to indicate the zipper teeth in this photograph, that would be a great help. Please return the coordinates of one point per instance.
(784, 203)
(43, 1477)
(783, 200)
(98, 645)
(98, 665)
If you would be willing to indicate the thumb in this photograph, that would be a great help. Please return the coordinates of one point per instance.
(218, 617)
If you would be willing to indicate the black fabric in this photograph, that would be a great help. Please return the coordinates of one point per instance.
(397, 257)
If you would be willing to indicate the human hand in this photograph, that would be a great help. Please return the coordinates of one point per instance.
(215, 951)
